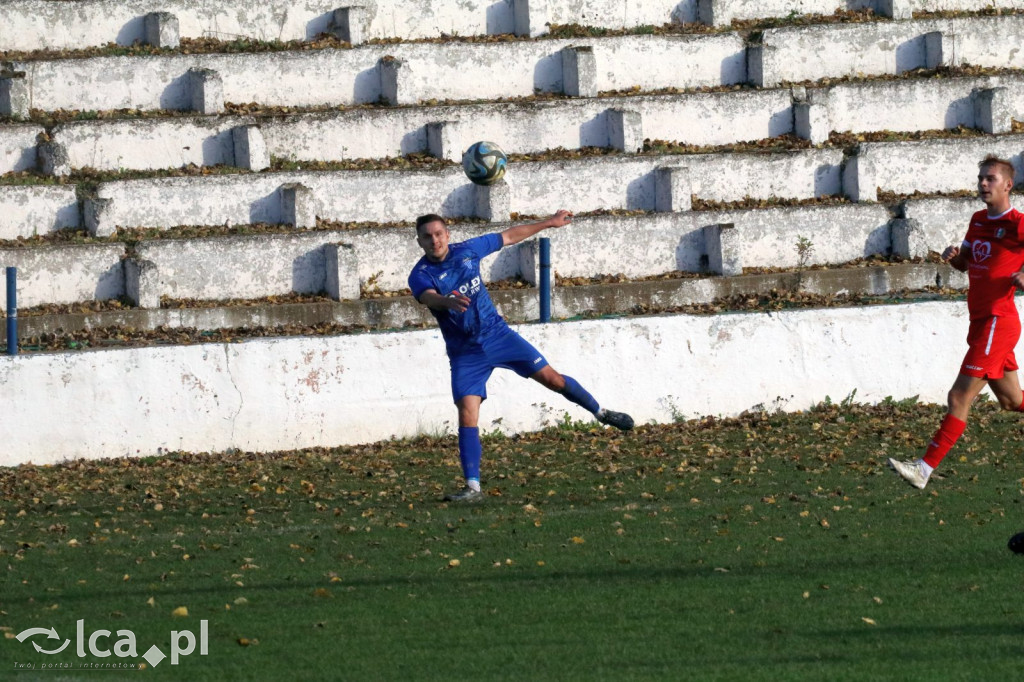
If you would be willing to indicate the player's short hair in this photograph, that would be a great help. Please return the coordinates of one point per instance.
(429, 218)
(1002, 164)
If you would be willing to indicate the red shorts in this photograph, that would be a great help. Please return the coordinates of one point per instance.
(991, 341)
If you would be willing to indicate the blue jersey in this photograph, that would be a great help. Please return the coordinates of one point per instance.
(460, 271)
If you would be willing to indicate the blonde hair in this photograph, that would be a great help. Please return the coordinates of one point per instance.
(1003, 164)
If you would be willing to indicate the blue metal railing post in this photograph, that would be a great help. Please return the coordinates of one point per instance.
(545, 279)
(12, 311)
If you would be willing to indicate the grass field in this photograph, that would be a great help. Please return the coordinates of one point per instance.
(769, 547)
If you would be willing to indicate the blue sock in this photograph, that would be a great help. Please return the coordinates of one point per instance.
(577, 394)
(470, 452)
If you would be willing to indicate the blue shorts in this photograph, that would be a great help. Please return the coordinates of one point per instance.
(472, 367)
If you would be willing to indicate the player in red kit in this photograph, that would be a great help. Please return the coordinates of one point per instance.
(992, 254)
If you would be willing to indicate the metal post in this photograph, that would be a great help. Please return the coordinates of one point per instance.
(545, 279)
(12, 311)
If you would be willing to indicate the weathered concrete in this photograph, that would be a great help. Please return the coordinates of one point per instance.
(142, 144)
(239, 267)
(15, 98)
(65, 274)
(949, 165)
(921, 104)
(723, 12)
(267, 265)
(810, 53)
(430, 71)
(30, 210)
(698, 119)
(42, 25)
(526, 127)
(18, 146)
(335, 390)
(612, 182)
(38, 24)
(836, 234)
(257, 266)
(515, 305)
(957, 5)
(936, 224)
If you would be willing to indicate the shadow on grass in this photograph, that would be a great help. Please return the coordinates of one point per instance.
(628, 571)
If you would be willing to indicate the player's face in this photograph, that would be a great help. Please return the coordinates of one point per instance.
(993, 186)
(433, 239)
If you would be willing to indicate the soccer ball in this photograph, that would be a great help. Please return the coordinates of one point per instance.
(484, 163)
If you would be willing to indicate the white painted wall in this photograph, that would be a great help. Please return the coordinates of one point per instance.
(810, 53)
(699, 119)
(29, 210)
(622, 13)
(838, 234)
(438, 71)
(44, 25)
(39, 24)
(962, 5)
(907, 105)
(271, 394)
(635, 246)
(722, 12)
(65, 274)
(535, 188)
(523, 127)
(931, 166)
(942, 222)
(18, 146)
(255, 266)
(144, 144)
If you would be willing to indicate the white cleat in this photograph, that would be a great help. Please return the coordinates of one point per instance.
(912, 472)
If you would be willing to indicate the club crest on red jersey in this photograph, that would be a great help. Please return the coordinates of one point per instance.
(1000, 233)
(981, 251)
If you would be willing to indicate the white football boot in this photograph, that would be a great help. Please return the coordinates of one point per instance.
(912, 472)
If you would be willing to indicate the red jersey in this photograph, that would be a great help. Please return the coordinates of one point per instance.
(995, 250)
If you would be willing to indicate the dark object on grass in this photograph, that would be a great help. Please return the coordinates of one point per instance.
(1016, 543)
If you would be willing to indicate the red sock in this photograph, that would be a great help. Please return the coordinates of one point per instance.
(949, 431)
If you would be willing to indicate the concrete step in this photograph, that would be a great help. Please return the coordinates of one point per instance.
(516, 305)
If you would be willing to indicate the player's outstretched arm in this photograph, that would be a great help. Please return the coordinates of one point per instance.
(456, 301)
(514, 235)
(955, 257)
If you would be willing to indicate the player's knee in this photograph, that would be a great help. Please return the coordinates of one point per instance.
(958, 400)
(468, 415)
(549, 378)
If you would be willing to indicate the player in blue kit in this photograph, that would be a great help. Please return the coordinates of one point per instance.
(447, 280)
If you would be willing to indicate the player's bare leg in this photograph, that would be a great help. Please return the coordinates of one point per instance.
(571, 389)
(958, 405)
(1008, 392)
(470, 449)
(469, 410)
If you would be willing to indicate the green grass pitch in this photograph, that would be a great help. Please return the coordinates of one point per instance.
(768, 547)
